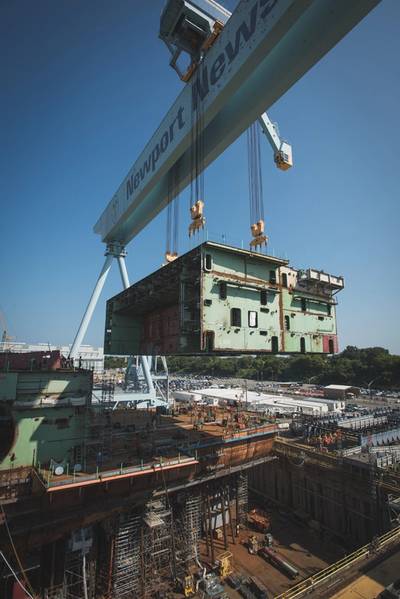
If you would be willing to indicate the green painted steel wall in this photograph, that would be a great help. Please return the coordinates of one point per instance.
(311, 324)
(188, 292)
(8, 385)
(227, 267)
(57, 384)
(45, 434)
(126, 330)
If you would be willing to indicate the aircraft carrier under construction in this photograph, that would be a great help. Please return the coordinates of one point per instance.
(108, 502)
(138, 491)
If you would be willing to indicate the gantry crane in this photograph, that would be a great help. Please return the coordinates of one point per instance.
(192, 27)
(250, 60)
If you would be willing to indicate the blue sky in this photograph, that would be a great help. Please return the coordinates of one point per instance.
(83, 87)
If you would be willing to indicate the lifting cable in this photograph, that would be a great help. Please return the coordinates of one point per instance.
(257, 224)
(172, 236)
(196, 205)
(28, 587)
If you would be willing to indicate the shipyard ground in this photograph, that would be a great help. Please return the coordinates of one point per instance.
(157, 494)
(300, 545)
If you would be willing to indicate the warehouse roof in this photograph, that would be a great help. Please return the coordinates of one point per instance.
(341, 387)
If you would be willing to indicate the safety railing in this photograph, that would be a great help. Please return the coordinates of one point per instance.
(306, 586)
(50, 479)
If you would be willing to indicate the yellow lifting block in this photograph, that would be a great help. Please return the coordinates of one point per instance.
(170, 256)
(283, 157)
(257, 230)
(198, 220)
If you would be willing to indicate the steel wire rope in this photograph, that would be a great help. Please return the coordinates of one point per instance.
(168, 248)
(28, 584)
(172, 221)
(197, 154)
(175, 216)
(255, 183)
(15, 575)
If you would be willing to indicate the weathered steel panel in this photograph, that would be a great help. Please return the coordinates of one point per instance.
(45, 418)
(220, 299)
(34, 360)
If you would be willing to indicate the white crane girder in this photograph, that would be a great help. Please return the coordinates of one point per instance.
(264, 48)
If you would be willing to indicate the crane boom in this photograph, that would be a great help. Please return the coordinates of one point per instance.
(264, 48)
(281, 149)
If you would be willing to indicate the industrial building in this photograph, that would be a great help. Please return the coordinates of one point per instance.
(220, 299)
(256, 401)
(341, 391)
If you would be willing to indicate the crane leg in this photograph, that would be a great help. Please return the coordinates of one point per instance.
(123, 271)
(114, 250)
(144, 360)
(146, 366)
(91, 306)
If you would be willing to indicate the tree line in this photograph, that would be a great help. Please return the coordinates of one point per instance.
(373, 366)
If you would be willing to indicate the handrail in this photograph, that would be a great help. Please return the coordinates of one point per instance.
(79, 479)
(316, 579)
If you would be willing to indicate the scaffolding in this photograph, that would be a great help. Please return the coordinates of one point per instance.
(99, 438)
(126, 566)
(242, 498)
(79, 570)
(192, 522)
(107, 390)
(159, 559)
(155, 546)
(187, 531)
(77, 580)
(57, 592)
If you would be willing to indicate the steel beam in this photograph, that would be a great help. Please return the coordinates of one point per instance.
(265, 47)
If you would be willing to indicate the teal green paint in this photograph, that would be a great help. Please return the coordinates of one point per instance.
(44, 386)
(190, 287)
(40, 439)
(311, 324)
(8, 385)
(47, 422)
(126, 334)
(244, 295)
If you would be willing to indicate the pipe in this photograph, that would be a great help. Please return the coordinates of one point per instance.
(275, 559)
